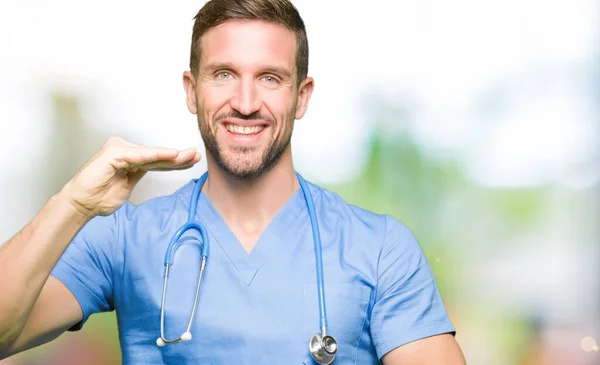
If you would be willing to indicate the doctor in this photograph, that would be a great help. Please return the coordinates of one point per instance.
(268, 293)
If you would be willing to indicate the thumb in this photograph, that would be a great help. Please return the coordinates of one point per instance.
(135, 177)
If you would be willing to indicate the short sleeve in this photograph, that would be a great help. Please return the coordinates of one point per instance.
(408, 305)
(86, 266)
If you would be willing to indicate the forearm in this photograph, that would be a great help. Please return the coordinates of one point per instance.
(27, 259)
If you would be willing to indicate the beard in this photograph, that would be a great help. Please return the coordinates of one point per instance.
(243, 164)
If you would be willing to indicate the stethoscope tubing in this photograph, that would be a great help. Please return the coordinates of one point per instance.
(318, 251)
(193, 224)
(190, 224)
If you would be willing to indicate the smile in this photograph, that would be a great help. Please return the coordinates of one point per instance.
(238, 129)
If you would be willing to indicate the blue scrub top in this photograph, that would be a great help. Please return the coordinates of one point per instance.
(262, 307)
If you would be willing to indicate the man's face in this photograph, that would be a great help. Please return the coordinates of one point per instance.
(246, 95)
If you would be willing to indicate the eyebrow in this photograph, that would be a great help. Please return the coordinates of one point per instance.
(278, 70)
(284, 72)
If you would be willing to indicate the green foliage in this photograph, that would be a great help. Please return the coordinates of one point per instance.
(406, 183)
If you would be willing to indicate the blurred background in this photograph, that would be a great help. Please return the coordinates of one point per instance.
(476, 123)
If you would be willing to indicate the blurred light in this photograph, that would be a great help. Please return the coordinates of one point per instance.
(582, 178)
(538, 141)
(588, 344)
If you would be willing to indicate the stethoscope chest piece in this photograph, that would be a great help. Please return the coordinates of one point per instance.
(323, 348)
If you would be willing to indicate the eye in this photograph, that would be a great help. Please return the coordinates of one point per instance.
(270, 79)
(224, 75)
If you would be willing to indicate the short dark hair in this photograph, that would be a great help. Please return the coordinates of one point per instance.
(282, 12)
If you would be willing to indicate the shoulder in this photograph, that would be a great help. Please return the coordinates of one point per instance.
(334, 206)
(382, 247)
(326, 199)
(383, 228)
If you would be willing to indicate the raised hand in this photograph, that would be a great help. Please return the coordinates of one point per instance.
(106, 181)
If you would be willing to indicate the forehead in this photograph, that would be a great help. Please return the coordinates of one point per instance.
(246, 43)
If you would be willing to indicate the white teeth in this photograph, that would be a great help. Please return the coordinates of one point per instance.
(238, 129)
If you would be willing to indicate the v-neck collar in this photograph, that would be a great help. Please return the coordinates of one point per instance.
(249, 264)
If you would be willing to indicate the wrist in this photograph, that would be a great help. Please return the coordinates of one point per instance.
(70, 207)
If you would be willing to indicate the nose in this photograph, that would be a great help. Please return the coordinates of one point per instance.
(246, 99)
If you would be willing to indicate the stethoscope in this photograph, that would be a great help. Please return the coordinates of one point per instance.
(322, 347)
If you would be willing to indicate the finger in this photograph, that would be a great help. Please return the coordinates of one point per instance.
(186, 155)
(183, 166)
(137, 174)
(192, 159)
(124, 157)
(164, 167)
(174, 168)
(183, 157)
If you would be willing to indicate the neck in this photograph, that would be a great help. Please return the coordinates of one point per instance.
(248, 206)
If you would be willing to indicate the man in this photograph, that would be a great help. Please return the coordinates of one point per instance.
(89, 250)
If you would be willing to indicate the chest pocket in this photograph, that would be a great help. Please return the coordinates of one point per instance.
(347, 308)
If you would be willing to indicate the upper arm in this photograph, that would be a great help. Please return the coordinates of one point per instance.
(408, 306)
(80, 284)
(55, 311)
(440, 349)
(85, 269)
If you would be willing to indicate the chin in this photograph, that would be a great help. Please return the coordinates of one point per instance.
(243, 168)
(245, 174)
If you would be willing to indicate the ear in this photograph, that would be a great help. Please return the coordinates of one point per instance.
(304, 92)
(189, 84)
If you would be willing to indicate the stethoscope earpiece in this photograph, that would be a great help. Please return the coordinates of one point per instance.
(186, 336)
(323, 348)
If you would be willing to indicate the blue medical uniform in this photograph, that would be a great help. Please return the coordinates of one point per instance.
(262, 307)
